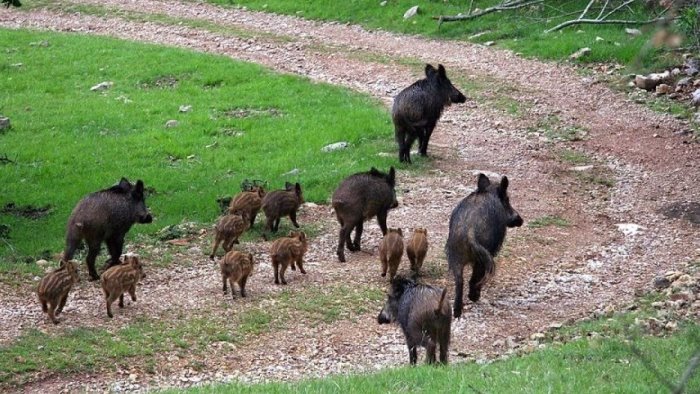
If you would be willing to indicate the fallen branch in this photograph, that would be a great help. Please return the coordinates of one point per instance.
(505, 6)
(602, 22)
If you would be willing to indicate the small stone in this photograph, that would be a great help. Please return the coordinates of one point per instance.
(537, 336)
(598, 39)
(581, 168)
(185, 108)
(102, 86)
(633, 32)
(661, 283)
(171, 123)
(646, 83)
(41, 262)
(489, 43)
(696, 98)
(555, 326)
(383, 3)
(411, 12)
(580, 53)
(629, 228)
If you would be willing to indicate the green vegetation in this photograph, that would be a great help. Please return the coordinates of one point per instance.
(521, 30)
(573, 157)
(546, 221)
(594, 365)
(68, 141)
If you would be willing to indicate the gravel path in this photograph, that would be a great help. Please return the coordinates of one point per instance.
(545, 275)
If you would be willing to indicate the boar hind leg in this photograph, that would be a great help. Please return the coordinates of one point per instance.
(430, 351)
(358, 238)
(444, 342)
(121, 300)
(458, 274)
(241, 284)
(276, 266)
(412, 354)
(233, 289)
(224, 279)
(93, 251)
(341, 243)
(44, 306)
(282, 270)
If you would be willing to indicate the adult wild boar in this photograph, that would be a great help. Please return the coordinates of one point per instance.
(417, 109)
(106, 215)
(477, 231)
(359, 198)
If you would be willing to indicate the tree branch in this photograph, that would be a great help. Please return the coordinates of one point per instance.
(505, 6)
(602, 22)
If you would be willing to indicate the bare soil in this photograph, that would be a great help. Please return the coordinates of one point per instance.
(641, 163)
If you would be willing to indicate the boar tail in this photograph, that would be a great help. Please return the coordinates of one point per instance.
(483, 261)
(438, 311)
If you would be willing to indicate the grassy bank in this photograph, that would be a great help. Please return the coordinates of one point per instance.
(233, 121)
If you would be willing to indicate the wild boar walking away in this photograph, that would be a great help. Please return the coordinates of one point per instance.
(358, 199)
(477, 231)
(391, 251)
(121, 278)
(249, 201)
(288, 251)
(279, 203)
(106, 215)
(236, 267)
(424, 316)
(417, 109)
(417, 248)
(228, 229)
(54, 288)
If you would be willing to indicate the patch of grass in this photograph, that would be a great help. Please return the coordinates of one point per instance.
(554, 129)
(95, 138)
(601, 366)
(521, 31)
(573, 157)
(329, 304)
(546, 221)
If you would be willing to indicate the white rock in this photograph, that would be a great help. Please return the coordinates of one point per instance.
(696, 98)
(4, 123)
(411, 12)
(335, 146)
(633, 32)
(102, 86)
(171, 123)
(489, 43)
(293, 171)
(598, 39)
(629, 228)
(185, 108)
(581, 168)
(383, 3)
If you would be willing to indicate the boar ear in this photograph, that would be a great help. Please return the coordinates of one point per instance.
(441, 71)
(124, 185)
(400, 232)
(503, 188)
(429, 70)
(483, 183)
(297, 187)
(138, 191)
(392, 176)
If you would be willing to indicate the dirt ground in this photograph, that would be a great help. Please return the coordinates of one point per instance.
(617, 239)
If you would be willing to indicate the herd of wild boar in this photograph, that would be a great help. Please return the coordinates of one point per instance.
(477, 230)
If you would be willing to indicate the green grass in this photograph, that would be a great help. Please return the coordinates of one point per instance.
(521, 31)
(583, 365)
(573, 157)
(246, 122)
(546, 221)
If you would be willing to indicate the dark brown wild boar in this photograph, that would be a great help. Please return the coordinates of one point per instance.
(106, 215)
(417, 109)
(121, 278)
(417, 248)
(477, 230)
(391, 251)
(236, 267)
(424, 316)
(286, 252)
(249, 201)
(228, 229)
(359, 198)
(54, 288)
(279, 203)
